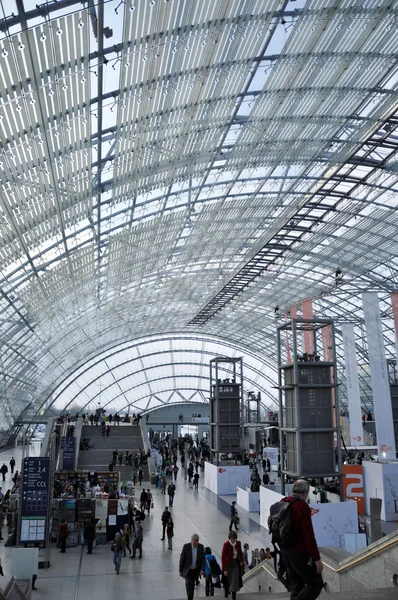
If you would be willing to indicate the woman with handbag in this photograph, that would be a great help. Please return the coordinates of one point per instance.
(234, 517)
(233, 563)
(117, 549)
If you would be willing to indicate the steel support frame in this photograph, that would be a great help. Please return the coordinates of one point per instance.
(296, 326)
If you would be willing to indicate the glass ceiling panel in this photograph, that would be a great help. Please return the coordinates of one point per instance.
(151, 152)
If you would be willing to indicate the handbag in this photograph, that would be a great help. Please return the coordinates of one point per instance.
(215, 579)
(152, 505)
(238, 520)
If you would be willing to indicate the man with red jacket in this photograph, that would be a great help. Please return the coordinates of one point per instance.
(303, 563)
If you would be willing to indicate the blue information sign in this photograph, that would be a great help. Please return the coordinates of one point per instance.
(68, 460)
(35, 494)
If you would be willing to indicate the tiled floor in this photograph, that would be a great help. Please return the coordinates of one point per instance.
(77, 576)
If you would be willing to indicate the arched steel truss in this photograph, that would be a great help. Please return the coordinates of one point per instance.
(262, 380)
(166, 169)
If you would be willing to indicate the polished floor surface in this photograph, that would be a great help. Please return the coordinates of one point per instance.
(78, 576)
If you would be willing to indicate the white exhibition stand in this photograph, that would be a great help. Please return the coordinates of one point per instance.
(330, 521)
(24, 562)
(354, 542)
(380, 480)
(248, 500)
(225, 479)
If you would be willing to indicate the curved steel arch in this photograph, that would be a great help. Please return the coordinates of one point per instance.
(153, 339)
(147, 369)
(165, 390)
(250, 368)
(201, 133)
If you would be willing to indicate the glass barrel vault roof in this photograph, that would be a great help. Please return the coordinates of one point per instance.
(173, 170)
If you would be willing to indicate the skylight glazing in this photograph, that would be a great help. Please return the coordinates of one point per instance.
(165, 164)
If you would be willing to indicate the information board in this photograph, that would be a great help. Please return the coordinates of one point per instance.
(68, 447)
(35, 493)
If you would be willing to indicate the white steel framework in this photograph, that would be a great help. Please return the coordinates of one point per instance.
(181, 166)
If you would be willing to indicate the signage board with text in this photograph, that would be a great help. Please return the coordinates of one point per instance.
(35, 496)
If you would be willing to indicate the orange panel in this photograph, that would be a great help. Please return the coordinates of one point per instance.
(353, 485)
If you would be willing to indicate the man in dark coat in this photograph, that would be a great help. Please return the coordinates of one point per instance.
(234, 516)
(89, 535)
(166, 514)
(138, 536)
(171, 490)
(4, 470)
(192, 563)
(12, 464)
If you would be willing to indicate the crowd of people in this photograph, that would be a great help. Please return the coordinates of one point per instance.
(298, 566)
(130, 459)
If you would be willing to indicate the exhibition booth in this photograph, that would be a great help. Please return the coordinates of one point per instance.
(225, 479)
(380, 480)
(332, 522)
(248, 500)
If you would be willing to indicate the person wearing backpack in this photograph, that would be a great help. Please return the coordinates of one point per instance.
(290, 525)
(212, 572)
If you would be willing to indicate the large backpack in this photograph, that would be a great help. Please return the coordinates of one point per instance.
(280, 525)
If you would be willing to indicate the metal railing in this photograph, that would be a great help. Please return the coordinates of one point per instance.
(364, 554)
(13, 590)
(78, 435)
(256, 569)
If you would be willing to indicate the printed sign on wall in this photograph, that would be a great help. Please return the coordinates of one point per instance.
(353, 485)
(35, 494)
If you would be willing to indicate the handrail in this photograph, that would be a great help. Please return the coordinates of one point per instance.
(355, 561)
(51, 424)
(78, 434)
(13, 585)
(60, 451)
(340, 569)
(256, 569)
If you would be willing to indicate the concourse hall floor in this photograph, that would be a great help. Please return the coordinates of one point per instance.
(78, 576)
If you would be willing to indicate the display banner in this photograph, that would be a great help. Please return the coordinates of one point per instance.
(101, 513)
(35, 496)
(379, 375)
(327, 343)
(328, 356)
(68, 457)
(394, 304)
(308, 313)
(353, 485)
(288, 354)
(353, 393)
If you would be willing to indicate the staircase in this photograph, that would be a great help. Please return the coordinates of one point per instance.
(377, 594)
(123, 437)
(370, 572)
